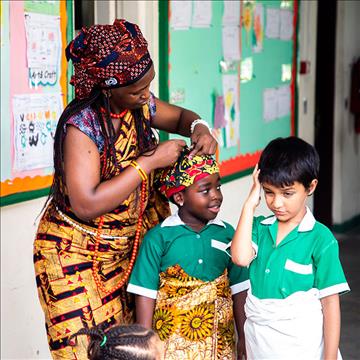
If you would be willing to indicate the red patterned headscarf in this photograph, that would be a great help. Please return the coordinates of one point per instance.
(107, 56)
(185, 172)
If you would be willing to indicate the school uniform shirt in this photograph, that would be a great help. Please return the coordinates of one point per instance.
(203, 255)
(287, 283)
(308, 257)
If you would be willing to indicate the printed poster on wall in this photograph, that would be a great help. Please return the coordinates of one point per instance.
(35, 120)
(181, 12)
(43, 45)
(231, 109)
(202, 14)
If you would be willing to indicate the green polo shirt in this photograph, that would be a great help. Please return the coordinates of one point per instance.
(203, 255)
(308, 257)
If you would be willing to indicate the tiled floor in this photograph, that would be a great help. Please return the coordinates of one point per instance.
(350, 302)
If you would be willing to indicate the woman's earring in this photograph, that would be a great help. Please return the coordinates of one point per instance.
(181, 203)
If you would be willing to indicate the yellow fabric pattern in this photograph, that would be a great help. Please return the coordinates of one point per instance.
(63, 258)
(194, 318)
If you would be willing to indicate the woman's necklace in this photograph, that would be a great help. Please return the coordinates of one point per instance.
(113, 115)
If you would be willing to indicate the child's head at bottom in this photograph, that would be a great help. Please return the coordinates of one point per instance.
(289, 169)
(131, 342)
(193, 184)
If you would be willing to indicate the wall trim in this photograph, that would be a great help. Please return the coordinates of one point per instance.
(24, 196)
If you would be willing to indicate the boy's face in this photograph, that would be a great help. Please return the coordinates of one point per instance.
(288, 203)
(202, 200)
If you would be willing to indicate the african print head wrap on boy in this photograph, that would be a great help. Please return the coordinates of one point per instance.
(185, 172)
(108, 56)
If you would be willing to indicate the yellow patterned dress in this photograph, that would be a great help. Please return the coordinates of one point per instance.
(64, 251)
(193, 317)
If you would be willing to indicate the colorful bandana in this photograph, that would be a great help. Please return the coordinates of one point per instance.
(185, 172)
(108, 56)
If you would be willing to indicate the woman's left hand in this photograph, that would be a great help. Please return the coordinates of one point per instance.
(202, 141)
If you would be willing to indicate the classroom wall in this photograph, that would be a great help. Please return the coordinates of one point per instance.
(346, 188)
(236, 191)
(23, 334)
(306, 84)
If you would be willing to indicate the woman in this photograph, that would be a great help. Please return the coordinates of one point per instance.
(102, 200)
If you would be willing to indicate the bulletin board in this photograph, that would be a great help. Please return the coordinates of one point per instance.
(235, 64)
(34, 91)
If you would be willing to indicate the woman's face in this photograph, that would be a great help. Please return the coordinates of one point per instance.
(133, 96)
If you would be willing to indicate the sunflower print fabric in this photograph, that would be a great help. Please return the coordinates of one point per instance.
(194, 318)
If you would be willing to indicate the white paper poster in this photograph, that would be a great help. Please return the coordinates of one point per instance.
(202, 14)
(231, 109)
(181, 11)
(35, 120)
(231, 15)
(231, 43)
(277, 102)
(286, 25)
(43, 48)
(272, 29)
(284, 100)
(246, 73)
(286, 72)
(270, 107)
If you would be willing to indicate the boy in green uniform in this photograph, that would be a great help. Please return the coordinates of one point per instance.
(295, 273)
(184, 278)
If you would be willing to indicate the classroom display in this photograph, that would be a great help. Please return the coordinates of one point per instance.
(34, 88)
(234, 63)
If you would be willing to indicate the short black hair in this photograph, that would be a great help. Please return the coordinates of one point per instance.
(286, 160)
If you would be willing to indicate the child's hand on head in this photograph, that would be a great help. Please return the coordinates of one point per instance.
(253, 199)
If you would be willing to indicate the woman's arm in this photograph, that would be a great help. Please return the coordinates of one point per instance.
(331, 312)
(91, 198)
(144, 308)
(175, 119)
(242, 251)
(239, 315)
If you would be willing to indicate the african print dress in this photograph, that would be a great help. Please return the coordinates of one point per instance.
(64, 250)
(194, 318)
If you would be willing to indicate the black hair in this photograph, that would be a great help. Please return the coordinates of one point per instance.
(96, 100)
(126, 342)
(286, 160)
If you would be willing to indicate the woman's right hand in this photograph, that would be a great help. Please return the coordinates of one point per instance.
(166, 153)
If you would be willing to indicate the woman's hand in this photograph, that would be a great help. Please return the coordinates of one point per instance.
(202, 141)
(165, 155)
(253, 199)
(177, 120)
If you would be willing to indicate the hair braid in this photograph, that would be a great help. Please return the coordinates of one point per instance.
(57, 187)
(127, 342)
(145, 137)
(96, 337)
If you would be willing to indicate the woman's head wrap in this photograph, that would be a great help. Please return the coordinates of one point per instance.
(185, 172)
(108, 56)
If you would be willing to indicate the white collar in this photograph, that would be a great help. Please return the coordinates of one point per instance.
(306, 224)
(174, 220)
